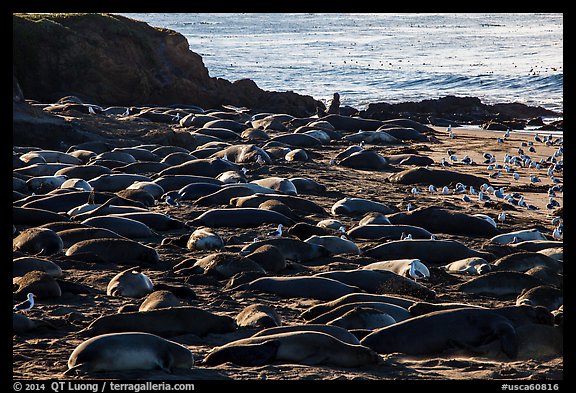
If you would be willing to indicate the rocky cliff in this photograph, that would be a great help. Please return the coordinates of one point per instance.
(109, 59)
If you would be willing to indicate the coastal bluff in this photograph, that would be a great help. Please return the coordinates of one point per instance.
(108, 59)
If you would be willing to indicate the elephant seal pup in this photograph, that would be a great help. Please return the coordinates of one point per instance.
(359, 206)
(396, 312)
(302, 347)
(330, 223)
(23, 265)
(319, 309)
(258, 315)
(240, 218)
(335, 331)
(525, 260)
(163, 322)
(38, 241)
(159, 299)
(336, 245)
(440, 220)
(292, 249)
(304, 230)
(129, 351)
(542, 295)
(440, 331)
(387, 231)
(311, 287)
(473, 265)
(131, 283)
(435, 252)
(499, 284)
(41, 284)
(204, 239)
(363, 318)
(114, 250)
(374, 218)
(520, 236)
(380, 282)
(305, 185)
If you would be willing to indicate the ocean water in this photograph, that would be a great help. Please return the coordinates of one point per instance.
(370, 58)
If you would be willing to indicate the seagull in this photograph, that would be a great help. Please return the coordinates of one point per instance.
(342, 229)
(415, 190)
(516, 176)
(450, 133)
(557, 233)
(499, 193)
(495, 174)
(276, 233)
(405, 236)
(260, 160)
(445, 190)
(556, 220)
(502, 217)
(473, 191)
(453, 157)
(26, 305)
(522, 202)
(460, 187)
(500, 140)
(244, 170)
(465, 198)
(415, 274)
(225, 157)
(331, 162)
(409, 207)
(171, 201)
(431, 188)
(91, 110)
(553, 202)
(467, 160)
(534, 179)
(551, 192)
(537, 138)
(483, 197)
(444, 162)
(532, 149)
(507, 134)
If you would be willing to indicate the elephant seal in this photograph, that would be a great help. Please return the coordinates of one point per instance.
(435, 252)
(304, 230)
(475, 327)
(242, 154)
(379, 282)
(542, 295)
(499, 284)
(437, 177)
(258, 315)
(547, 276)
(293, 202)
(240, 218)
(193, 191)
(411, 268)
(29, 216)
(204, 239)
(210, 167)
(163, 322)
(319, 309)
(303, 347)
(279, 184)
(473, 265)
(226, 265)
(114, 182)
(329, 223)
(123, 226)
(23, 265)
(335, 244)
(359, 206)
(556, 253)
(536, 245)
(398, 313)
(154, 189)
(159, 299)
(374, 137)
(374, 218)
(312, 287)
(297, 140)
(77, 184)
(38, 241)
(22, 324)
(387, 231)
(130, 283)
(520, 236)
(421, 308)
(525, 260)
(74, 235)
(366, 160)
(335, 331)
(129, 351)
(352, 124)
(223, 195)
(363, 318)
(269, 257)
(409, 159)
(305, 185)
(177, 182)
(41, 284)
(439, 220)
(292, 249)
(114, 250)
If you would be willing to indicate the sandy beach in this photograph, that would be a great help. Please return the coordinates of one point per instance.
(43, 353)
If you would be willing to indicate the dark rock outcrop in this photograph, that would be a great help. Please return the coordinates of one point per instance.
(108, 59)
